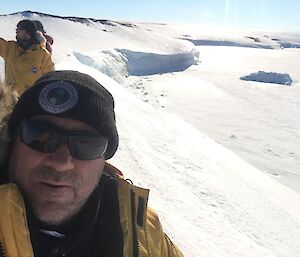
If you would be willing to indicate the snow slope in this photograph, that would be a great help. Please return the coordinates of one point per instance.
(211, 202)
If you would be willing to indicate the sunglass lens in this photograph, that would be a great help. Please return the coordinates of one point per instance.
(39, 136)
(87, 147)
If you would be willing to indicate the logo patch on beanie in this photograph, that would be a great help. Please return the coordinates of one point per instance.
(58, 97)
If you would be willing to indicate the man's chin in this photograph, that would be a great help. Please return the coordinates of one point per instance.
(55, 214)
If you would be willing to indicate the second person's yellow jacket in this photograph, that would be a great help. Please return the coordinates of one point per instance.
(24, 67)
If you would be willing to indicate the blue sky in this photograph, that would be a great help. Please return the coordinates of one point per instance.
(261, 14)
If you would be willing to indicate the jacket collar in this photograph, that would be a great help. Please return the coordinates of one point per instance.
(27, 44)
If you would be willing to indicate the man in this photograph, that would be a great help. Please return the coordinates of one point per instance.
(64, 199)
(25, 59)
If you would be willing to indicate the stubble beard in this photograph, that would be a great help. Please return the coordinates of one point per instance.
(47, 208)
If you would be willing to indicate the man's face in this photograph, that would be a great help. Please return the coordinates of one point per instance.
(22, 34)
(55, 184)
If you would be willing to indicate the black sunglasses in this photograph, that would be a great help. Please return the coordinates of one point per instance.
(46, 138)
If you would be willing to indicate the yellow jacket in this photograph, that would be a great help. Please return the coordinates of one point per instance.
(15, 236)
(24, 67)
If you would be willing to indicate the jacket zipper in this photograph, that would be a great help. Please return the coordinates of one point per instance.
(2, 252)
(134, 229)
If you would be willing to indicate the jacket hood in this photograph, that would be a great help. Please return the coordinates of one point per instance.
(7, 103)
(40, 37)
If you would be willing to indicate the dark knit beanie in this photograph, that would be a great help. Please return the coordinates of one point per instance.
(69, 94)
(29, 26)
(39, 26)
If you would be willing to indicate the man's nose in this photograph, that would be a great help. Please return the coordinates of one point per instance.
(61, 159)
